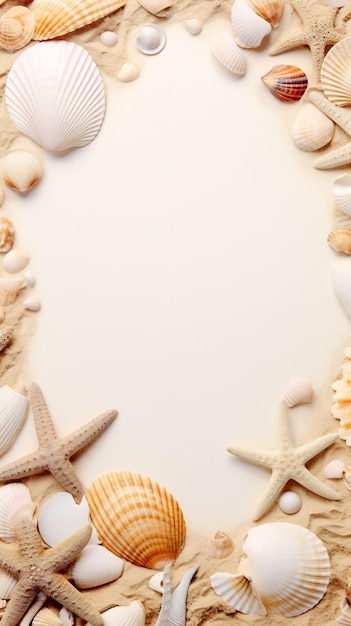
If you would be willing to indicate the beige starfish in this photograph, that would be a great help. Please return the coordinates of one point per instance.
(53, 454)
(38, 569)
(342, 117)
(318, 32)
(288, 462)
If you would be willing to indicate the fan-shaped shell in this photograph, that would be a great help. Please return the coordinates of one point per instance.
(15, 260)
(9, 289)
(312, 129)
(136, 519)
(54, 18)
(341, 407)
(15, 502)
(7, 584)
(132, 615)
(239, 592)
(220, 546)
(155, 7)
(287, 83)
(16, 28)
(55, 95)
(95, 566)
(7, 234)
(341, 275)
(13, 409)
(334, 469)
(298, 390)
(342, 193)
(60, 516)
(46, 617)
(226, 51)
(336, 73)
(269, 10)
(249, 28)
(340, 240)
(20, 169)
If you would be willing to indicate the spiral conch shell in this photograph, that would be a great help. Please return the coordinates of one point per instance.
(136, 519)
(287, 572)
(341, 407)
(220, 546)
(16, 28)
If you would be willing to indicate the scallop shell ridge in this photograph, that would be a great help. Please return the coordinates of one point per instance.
(16, 28)
(287, 83)
(336, 73)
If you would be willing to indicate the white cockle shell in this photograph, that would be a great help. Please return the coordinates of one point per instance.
(13, 409)
(46, 617)
(9, 289)
(15, 260)
(21, 170)
(55, 95)
(60, 516)
(128, 72)
(312, 129)
(7, 584)
(336, 73)
(131, 615)
(228, 53)
(95, 566)
(239, 592)
(289, 502)
(173, 608)
(151, 39)
(341, 190)
(155, 7)
(249, 28)
(341, 275)
(15, 502)
(334, 469)
(269, 10)
(193, 26)
(220, 546)
(340, 240)
(298, 390)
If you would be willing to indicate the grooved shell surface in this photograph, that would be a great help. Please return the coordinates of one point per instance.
(269, 10)
(238, 591)
(287, 83)
(13, 409)
(341, 190)
(249, 28)
(131, 615)
(340, 240)
(21, 170)
(336, 73)
(298, 390)
(228, 53)
(136, 519)
(9, 289)
(95, 566)
(15, 502)
(55, 95)
(16, 28)
(312, 129)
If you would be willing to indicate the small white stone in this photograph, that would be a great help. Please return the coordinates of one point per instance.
(193, 26)
(109, 38)
(128, 72)
(334, 469)
(15, 260)
(32, 303)
(289, 502)
(29, 278)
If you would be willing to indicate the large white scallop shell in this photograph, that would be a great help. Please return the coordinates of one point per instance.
(249, 28)
(13, 409)
(95, 566)
(239, 592)
(15, 502)
(341, 190)
(131, 615)
(228, 53)
(298, 390)
(55, 95)
(341, 274)
(312, 129)
(60, 516)
(21, 170)
(336, 73)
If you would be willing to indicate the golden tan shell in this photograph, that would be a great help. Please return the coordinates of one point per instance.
(54, 18)
(340, 240)
(16, 28)
(341, 407)
(7, 234)
(220, 546)
(137, 519)
(269, 10)
(20, 169)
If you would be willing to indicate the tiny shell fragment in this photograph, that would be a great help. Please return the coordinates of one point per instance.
(342, 193)
(7, 234)
(220, 546)
(15, 260)
(287, 83)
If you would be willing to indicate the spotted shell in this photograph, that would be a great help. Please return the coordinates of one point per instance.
(136, 519)
(249, 28)
(336, 73)
(340, 240)
(10, 288)
(54, 18)
(312, 129)
(287, 83)
(228, 53)
(269, 10)
(21, 170)
(15, 502)
(341, 407)
(6, 333)
(220, 546)
(16, 28)
(341, 190)
(13, 409)
(7, 234)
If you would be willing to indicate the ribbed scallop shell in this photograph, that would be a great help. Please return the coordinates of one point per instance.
(312, 129)
(55, 95)
(13, 409)
(155, 7)
(340, 240)
(336, 73)
(341, 407)
(46, 617)
(7, 234)
(298, 390)
(136, 519)
(16, 28)
(95, 566)
(15, 502)
(7, 584)
(9, 289)
(21, 170)
(342, 193)
(6, 333)
(54, 18)
(334, 469)
(239, 592)
(220, 546)
(131, 615)
(226, 51)
(269, 10)
(249, 28)
(287, 83)
(341, 275)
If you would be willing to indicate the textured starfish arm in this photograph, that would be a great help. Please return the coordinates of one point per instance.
(339, 115)
(62, 470)
(21, 598)
(61, 556)
(284, 434)
(28, 465)
(80, 438)
(309, 450)
(9, 559)
(41, 416)
(62, 591)
(255, 456)
(275, 484)
(306, 479)
(334, 158)
(295, 41)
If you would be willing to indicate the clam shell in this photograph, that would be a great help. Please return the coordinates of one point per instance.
(66, 616)
(55, 95)
(336, 73)
(9, 289)
(60, 516)
(7, 234)
(341, 275)
(109, 38)
(269, 10)
(312, 129)
(249, 28)
(150, 539)
(151, 39)
(290, 502)
(132, 615)
(193, 26)
(54, 18)
(15, 502)
(46, 617)
(128, 72)
(5, 338)
(16, 28)
(334, 469)
(13, 409)
(15, 260)
(20, 169)
(342, 193)
(7, 584)
(220, 546)
(155, 7)
(298, 390)
(341, 407)
(340, 240)
(95, 566)
(226, 51)
(156, 582)
(239, 592)
(287, 83)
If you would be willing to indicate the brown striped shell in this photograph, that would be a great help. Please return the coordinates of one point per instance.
(269, 10)
(136, 519)
(16, 28)
(287, 83)
(7, 234)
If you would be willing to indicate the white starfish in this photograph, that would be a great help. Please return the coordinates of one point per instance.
(288, 462)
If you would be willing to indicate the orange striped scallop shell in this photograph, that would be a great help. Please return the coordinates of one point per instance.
(136, 519)
(287, 83)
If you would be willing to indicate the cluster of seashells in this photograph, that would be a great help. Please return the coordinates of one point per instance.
(341, 407)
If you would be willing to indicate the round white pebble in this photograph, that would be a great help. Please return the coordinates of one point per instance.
(32, 304)
(109, 38)
(289, 502)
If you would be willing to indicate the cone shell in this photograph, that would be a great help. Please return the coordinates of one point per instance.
(15, 502)
(341, 274)
(226, 51)
(9, 289)
(55, 95)
(7, 234)
(249, 28)
(239, 592)
(137, 519)
(340, 240)
(298, 390)
(287, 83)
(269, 10)
(155, 7)
(342, 193)
(20, 169)
(220, 546)
(341, 407)
(16, 28)
(312, 129)
(95, 566)
(336, 73)
(54, 18)
(13, 409)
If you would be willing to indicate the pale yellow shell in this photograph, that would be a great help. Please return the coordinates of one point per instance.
(341, 407)
(7, 234)
(9, 289)
(269, 10)
(312, 129)
(136, 519)
(340, 240)
(220, 546)
(336, 73)
(16, 28)
(21, 170)
(54, 18)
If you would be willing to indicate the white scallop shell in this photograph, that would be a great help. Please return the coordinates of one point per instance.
(249, 28)
(173, 608)
(226, 51)
(290, 502)
(15, 502)
(9, 289)
(239, 592)
(341, 274)
(7, 584)
(95, 566)
(334, 469)
(336, 73)
(151, 39)
(312, 129)
(109, 38)
(131, 615)
(128, 72)
(21, 170)
(193, 26)
(15, 260)
(155, 7)
(33, 303)
(52, 73)
(220, 546)
(60, 516)
(269, 10)
(342, 193)
(13, 409)
(344, 619)
(298, 390)
(46, 617)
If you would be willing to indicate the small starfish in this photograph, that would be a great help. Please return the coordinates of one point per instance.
(37, 569)
(53, 454)
(318, 32)
(288, 462)
(342, 117)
